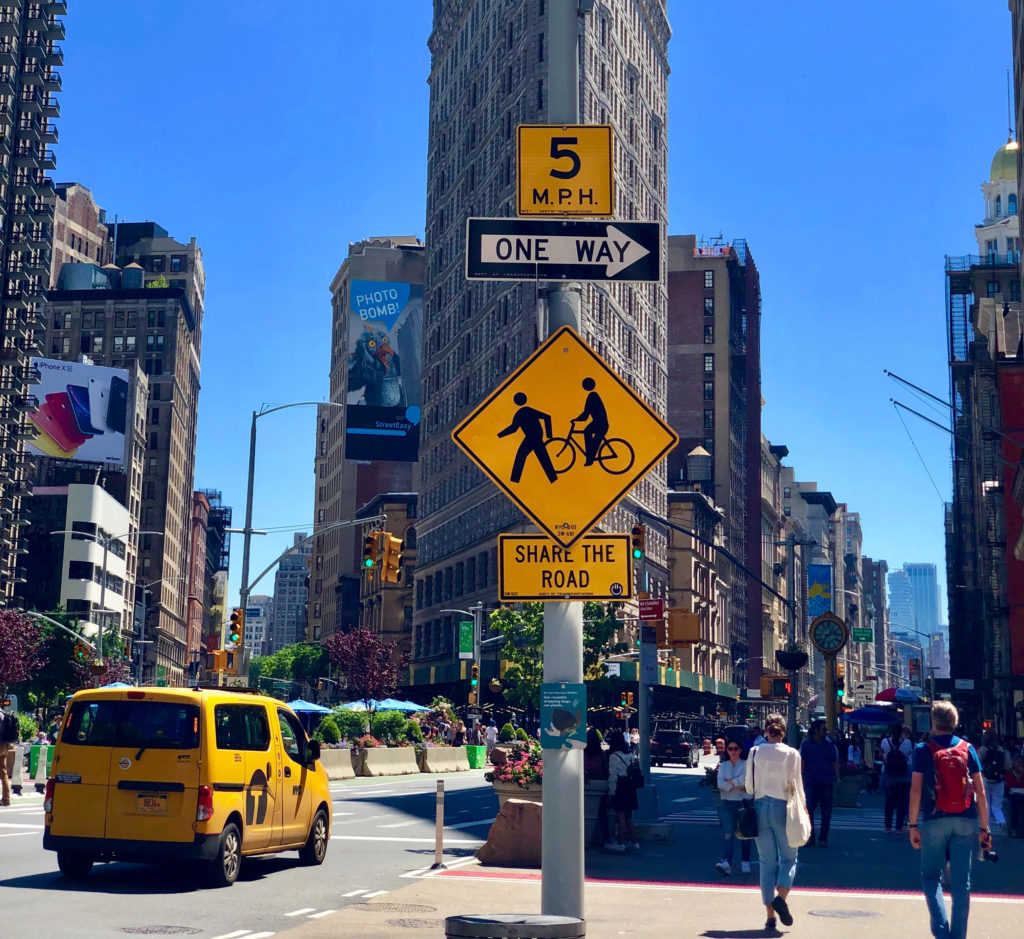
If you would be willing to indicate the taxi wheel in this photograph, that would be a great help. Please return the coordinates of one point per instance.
(315, 849)
(73, 865)
(225, 867)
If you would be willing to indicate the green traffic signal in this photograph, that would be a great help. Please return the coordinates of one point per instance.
(368, 563)
(637, 553)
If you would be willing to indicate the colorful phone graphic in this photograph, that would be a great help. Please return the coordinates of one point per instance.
(78, 395)
(45, 444)
(117, 407)
(56, 420)
(99, 389)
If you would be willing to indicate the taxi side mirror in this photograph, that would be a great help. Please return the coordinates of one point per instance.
(312, 751)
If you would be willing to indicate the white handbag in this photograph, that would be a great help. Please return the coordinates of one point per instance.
(798, 822)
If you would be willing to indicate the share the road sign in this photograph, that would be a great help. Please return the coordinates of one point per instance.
(533, 567)
(545, 249)
(564, 437)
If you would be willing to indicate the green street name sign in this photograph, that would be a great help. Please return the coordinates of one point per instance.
(863, 634)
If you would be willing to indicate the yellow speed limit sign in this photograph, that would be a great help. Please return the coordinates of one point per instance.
(564, 169)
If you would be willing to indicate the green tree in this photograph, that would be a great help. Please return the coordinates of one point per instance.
(352, 724)
(523, 631)
(327, 731)
(158, 282)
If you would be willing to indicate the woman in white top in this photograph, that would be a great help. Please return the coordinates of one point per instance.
(773, 772)
(732, 777)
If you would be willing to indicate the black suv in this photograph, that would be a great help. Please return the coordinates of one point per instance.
(674, 746)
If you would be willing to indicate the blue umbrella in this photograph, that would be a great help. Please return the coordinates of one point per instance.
(906, 696)
(393, 704)
(307, 707)
(869, 715)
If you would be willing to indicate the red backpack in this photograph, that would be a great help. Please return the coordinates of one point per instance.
(953, 790)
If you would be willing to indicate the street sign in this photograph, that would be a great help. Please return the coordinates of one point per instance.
(650, 608)
(533, 567)
(613, 669)
(236, 681)
(533, 436)
(549, 249)
(564, 169)
(465, 639)
(862, 634)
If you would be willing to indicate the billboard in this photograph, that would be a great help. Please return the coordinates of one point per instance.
(382, 416)
(82, 412)
(1010, 379)
(819, 589)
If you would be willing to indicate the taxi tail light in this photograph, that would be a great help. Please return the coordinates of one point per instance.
(48, 798)
(204, 805)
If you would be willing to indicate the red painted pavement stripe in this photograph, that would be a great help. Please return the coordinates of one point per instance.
(508, 875)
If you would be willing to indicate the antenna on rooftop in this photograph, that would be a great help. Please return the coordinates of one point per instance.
(1009, 106)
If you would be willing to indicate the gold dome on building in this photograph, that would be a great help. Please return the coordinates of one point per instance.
(1004, 163)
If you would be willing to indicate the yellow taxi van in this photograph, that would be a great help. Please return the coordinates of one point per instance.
(212, 776)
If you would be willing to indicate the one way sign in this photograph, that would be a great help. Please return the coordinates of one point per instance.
(546, 249)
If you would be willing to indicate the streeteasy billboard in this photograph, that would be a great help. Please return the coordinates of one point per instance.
(382, 416)
(82, 412)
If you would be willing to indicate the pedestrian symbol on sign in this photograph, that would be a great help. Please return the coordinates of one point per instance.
(536, 427)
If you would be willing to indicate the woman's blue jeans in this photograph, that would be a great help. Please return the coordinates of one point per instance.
(778, 859)
(727, 811)
(959, 837)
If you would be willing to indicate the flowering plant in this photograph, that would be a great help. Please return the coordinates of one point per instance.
(368, 740)
(523, 767)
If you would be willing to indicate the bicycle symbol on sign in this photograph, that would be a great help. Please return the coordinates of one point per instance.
(557, 455)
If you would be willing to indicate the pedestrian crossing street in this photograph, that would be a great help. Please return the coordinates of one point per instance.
(861, 819)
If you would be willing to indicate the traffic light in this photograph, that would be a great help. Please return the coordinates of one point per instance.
(629, 698)
(781, 687)
(623, 699)
(638, 539)
(840, 680)
(371, 550)
(236, 629)
(474, 684)
(82, 650)
(391, 562)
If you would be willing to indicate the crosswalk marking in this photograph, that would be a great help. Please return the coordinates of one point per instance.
(479, 821)
(353, 893)
(305, 909)
(236, 934)
(376, 893)
(857, 822)
(17, 825)
(322, 914)
(415, 821)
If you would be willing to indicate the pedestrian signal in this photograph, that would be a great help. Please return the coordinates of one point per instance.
(638, 539)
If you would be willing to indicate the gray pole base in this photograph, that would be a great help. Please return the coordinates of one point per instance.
(514, 926)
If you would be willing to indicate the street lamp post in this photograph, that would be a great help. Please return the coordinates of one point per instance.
(104, 541)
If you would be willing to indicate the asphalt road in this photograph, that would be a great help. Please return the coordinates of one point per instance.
(382, 829)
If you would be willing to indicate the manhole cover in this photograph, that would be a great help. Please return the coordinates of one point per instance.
(161, 930)
(845, 914)
(394, 907)
(416, 923)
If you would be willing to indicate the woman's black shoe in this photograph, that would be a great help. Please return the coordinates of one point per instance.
(769, 928)
(780, 907)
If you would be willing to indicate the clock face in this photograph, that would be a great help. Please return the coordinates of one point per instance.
(828, 636)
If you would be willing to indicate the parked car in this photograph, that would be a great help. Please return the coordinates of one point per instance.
(674, 746)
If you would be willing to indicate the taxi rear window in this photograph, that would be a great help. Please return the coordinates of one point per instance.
(159, 725)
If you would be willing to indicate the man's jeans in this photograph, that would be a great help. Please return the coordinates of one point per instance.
(820, 794)
(958, 836)
(995, 792)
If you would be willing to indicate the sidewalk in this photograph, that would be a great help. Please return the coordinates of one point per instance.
(619, 908)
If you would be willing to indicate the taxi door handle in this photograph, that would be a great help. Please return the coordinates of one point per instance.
(288, 771)
(268, 772)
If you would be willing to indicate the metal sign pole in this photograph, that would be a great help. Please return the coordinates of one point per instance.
(562, 811)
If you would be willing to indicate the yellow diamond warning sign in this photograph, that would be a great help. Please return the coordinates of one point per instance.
(564, 437)
(533, 567)
(564, 169)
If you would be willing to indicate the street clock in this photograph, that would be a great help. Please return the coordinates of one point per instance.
(828, 633)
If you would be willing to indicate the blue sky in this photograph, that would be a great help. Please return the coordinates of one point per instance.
(845, 142)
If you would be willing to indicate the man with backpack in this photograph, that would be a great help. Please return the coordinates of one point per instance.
(896, 764)
(947, 796)
(995, 764)
(9, 732)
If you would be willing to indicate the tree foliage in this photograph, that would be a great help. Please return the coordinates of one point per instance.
(523, 631)
(22, 652)
(303, 661)
(370, 663)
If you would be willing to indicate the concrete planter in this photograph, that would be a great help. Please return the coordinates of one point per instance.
(506, 791)
(338, 763)
(388, 761)
(443, 760)
(594, 790)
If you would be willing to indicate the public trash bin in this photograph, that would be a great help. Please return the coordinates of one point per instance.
(514, 926)
(33, 760)
(477, 756)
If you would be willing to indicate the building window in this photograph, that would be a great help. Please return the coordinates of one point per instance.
(786, 492)
(709, 363)
(709, 306)
(1011, 204)
(1015, 290)
(156, 263)
(709, 391)
(709, 333)
(97, 343)
(709, 419)
(992, 288)
(177, 263)
(709, 280)
(129, 343)
(118, 344)
(154, 441)
(999, 206)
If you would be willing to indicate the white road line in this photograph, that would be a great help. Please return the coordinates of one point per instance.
(687, 799)
(415, 821)
(235, 934)
(17, 834)
(479, 821)
(353, 893)
(458, 844)
(376, 893)
(324, 913)
(260, 935)
(305, 909)
(363, 818)
(16, 825)
(336, 814)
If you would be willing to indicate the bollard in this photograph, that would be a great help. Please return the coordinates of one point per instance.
(439, 829)
(41, 774)
(18, 774)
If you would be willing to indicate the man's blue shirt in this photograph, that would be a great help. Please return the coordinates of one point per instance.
(818, 761)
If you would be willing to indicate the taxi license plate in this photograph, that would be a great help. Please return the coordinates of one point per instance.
(151, 804)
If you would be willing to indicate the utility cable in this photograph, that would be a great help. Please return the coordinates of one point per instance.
(918, 452)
